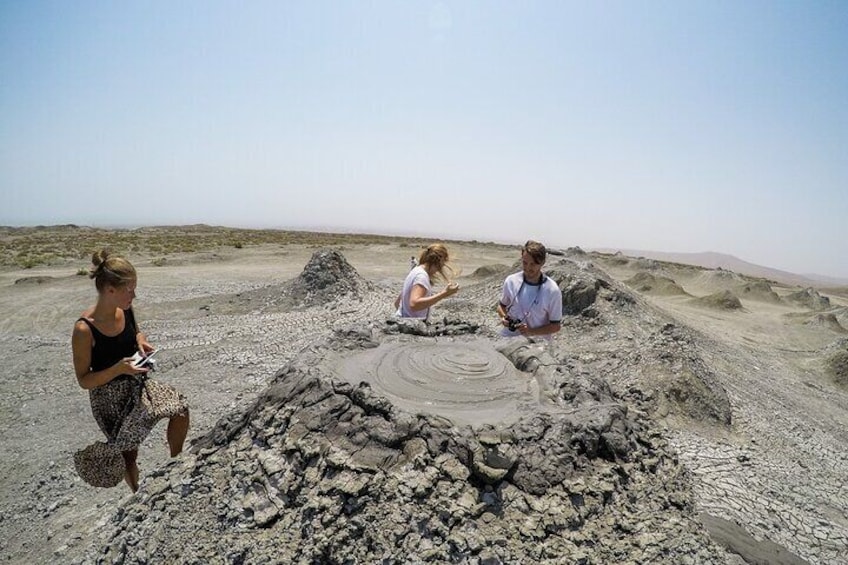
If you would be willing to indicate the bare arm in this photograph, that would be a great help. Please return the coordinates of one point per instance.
(418, 299)
(503, 314)
(143, 346)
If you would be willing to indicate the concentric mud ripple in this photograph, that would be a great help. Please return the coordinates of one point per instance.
(465, 381)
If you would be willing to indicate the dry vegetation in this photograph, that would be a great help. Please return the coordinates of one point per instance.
(28, 247)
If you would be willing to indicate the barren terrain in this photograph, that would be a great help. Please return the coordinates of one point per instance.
(744, 378)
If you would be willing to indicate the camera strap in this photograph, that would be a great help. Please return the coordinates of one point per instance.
(516, 301)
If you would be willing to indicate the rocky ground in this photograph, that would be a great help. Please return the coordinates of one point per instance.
(663, 427)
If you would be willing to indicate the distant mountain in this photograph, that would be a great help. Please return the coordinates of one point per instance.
(713, 260)
(830, 281)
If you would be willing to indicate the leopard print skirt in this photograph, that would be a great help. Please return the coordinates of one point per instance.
(126, 409)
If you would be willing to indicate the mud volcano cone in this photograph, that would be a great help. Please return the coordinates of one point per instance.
(326, 277)
(383, 448)
(722, 300)
(810, 298)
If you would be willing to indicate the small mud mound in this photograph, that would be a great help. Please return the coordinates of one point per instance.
(646, 264)
(721, 279)
(814, 320)
(826, 320)
(722, 300)
(647, 283)
(809, 298)
(325, 279)
(837, 367)
(686, 385)
(760, 291)
(618, 259)
(579, 284)
(841, 315)
(490, 270)
(327, 276)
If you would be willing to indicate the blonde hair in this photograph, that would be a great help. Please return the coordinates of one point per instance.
(110, 270)
(435, 257)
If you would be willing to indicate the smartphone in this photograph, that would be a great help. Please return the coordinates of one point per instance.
(145, 361)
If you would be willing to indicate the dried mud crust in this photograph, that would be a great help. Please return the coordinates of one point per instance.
(321, 470)
(776, 469)
(773, 468)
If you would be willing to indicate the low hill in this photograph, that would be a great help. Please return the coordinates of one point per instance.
(712, 260)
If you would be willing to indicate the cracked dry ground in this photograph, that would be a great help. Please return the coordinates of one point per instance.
(776, 468)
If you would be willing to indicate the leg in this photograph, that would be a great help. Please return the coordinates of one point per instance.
(131, 473)
(177, 431)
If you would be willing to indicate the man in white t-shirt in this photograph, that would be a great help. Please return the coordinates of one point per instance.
(531, 303)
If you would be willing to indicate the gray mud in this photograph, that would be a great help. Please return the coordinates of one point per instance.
(468, 381)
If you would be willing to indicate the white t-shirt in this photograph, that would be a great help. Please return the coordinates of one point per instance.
(417, 276)
(536, 305)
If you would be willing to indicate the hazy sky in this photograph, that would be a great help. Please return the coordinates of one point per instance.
(669, 126)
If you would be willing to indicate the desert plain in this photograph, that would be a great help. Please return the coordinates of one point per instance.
(721, 403)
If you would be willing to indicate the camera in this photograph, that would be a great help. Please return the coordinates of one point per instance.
(512, 323)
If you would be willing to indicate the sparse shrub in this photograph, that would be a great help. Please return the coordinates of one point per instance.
(31, 260)
(159, 262)
(82, 271)
(238, 245)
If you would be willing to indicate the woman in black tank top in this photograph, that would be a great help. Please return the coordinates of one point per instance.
(105, 338)
(108, 350)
